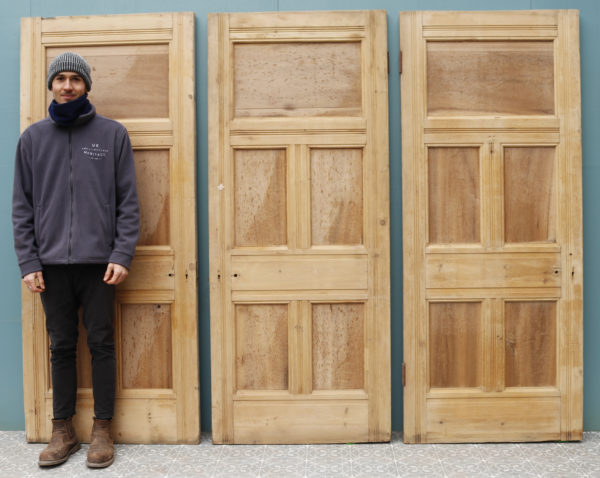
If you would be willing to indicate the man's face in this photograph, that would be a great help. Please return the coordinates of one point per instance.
(68, 86)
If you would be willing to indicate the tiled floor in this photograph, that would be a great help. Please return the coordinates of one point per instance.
(19, 459)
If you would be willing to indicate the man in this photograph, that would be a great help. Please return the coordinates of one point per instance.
(76, 224)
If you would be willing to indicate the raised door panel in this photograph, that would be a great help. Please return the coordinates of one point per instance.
(143, 76)
(492, 226)
(299, 227)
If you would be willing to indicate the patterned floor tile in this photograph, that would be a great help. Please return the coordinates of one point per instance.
(522, 470)
(556, 467)
(285, 451)
(420, 469)
(330, 466)
(275, 474)
(458, 454)
(590, 467)
(464, 469)
(543, 450)
(374, 469)
(338, 451)
(498, 453)
(227, 469)
(571, 459)
(297, 468)
(373, 452)
(191, 474)
(591, 436)
(242, 450)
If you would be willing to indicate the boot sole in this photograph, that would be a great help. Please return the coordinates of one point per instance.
(72, 450)
(104, 464)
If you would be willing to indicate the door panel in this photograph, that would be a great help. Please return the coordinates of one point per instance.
(454, 195)
(529, 194)
(492, 226)
(299, 227)
(469, 77)
(143, 76)
(310, 79)
(455, 338)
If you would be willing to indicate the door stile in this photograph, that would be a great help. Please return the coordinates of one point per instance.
(569, 104)
(34, 331)
(185, 332)
(411, 140)
(217, 36)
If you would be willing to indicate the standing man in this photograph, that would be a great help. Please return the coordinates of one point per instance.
(76, 224)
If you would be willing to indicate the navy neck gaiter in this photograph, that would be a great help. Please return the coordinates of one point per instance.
(65, 114)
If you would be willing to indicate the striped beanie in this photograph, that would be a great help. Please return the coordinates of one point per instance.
(68, 61)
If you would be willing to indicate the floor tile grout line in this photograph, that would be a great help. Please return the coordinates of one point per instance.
(395, 460)
(262, 459)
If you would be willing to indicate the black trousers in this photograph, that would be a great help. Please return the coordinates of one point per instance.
(69, 287)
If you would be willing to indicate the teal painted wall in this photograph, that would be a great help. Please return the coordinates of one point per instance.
(11, 395)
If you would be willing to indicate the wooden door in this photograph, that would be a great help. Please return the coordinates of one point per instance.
(143, 76)
(492, 225)
(299, 227)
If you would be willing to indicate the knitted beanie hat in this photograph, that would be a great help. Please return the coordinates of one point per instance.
(68, 61)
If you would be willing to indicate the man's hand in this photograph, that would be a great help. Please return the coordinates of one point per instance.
(35, 281)
(115, 274)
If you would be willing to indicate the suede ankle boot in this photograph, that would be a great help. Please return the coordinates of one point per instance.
(100, 453)
(63, 444)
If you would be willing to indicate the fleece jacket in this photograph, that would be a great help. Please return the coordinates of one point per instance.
(74, 196)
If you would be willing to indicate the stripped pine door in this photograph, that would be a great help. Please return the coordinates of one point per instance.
(492, 226)
(143, 76)
(299, 227)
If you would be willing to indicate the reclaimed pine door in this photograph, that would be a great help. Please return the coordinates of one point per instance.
(492, 226)
(143, 76)
(299, 227)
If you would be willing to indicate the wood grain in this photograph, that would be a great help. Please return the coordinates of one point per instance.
(261, 335)
(152, 174)
(285, 422)
(454, 195)
(338, 346)
(530, 344)
(455, 345)
(490, 77)
(146, 346)
(260, 197)
(529, 194)
(463, 420)
(336, 181)
(297, 79)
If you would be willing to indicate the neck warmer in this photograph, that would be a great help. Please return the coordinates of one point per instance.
(65, 114)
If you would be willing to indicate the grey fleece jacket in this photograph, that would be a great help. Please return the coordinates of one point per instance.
(74, 197)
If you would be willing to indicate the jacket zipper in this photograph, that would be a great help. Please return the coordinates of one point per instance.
(71, 198)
